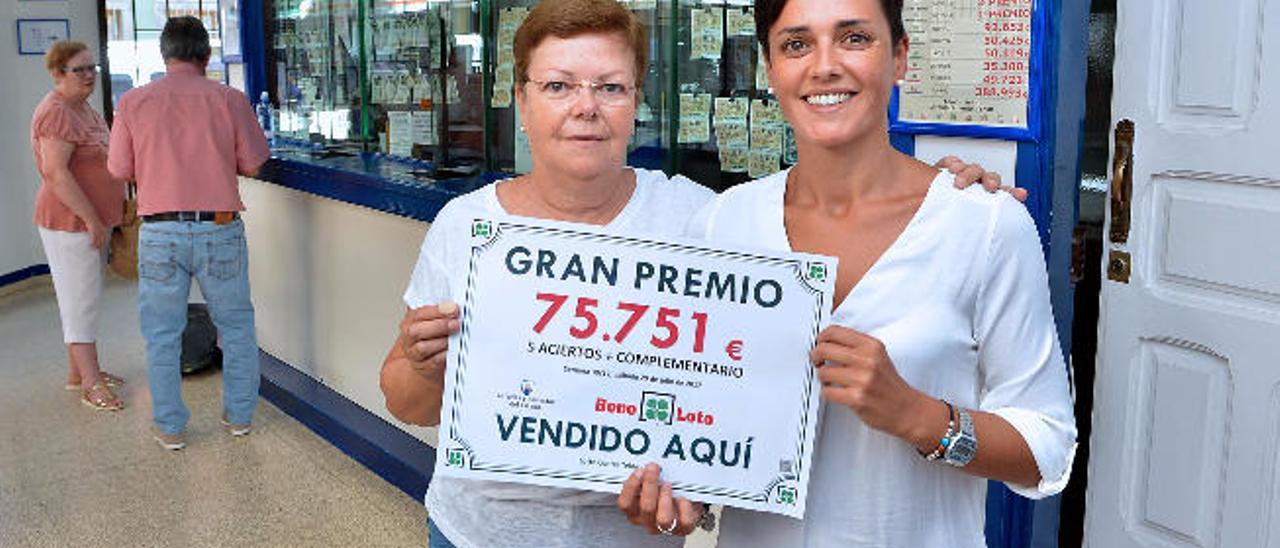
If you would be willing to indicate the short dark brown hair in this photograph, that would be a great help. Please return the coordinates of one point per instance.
(570, 18)
(185, 39)
(61, 52)
(768, 12)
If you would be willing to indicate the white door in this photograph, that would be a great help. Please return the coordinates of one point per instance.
(1186, 420)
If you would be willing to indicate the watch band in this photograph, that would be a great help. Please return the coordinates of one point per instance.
(963, 444)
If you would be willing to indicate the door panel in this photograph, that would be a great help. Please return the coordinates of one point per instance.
(1169, 439)
(1207, 227)
(1209, 59)
(1187, 394)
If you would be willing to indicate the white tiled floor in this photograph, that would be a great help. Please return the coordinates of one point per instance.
(71, 476)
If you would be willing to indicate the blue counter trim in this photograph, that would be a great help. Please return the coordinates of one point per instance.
(401, 459)
(19, 275)
(387, 184)
(415, 200)
(654, 158)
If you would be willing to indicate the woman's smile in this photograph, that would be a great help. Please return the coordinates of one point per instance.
(828, 100)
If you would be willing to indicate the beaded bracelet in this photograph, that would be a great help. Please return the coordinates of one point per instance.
(942, 444)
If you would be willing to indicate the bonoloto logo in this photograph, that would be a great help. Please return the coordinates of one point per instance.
(657, 407)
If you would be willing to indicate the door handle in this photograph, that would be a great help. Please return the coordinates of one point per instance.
(1121, 182)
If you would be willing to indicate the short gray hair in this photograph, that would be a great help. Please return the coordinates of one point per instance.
(184, 39)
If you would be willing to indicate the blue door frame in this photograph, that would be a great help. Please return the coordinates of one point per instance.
(1048, 166)
(253, 46)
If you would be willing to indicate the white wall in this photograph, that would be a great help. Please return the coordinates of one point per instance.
(327, 277)
(23, 82)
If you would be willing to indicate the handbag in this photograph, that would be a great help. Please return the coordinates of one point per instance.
(124, 238)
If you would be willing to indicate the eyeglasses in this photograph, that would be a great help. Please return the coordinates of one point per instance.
(82, 69)
(608, 93)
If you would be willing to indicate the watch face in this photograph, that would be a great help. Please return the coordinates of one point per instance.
(961, 450)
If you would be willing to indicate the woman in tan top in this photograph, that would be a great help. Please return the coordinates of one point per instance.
(77, 205)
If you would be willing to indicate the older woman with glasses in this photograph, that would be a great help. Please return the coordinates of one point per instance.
(579, 67)
(77, 205)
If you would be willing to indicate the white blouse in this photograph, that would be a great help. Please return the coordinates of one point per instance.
(961, 302)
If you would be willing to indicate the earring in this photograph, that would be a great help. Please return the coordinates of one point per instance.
(522, 128)
(902, 82)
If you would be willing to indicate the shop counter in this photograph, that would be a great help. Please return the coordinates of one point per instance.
(333, 239)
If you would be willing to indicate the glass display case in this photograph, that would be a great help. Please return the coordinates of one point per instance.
(728, 127)
(423, 61)
(396, 77)
(316, 72)
(433, 81)
(705, 93)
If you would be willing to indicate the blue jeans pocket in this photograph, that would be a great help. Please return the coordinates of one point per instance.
(225, 257)
(155, 261)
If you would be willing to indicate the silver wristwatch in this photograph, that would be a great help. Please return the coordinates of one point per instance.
(963, 443)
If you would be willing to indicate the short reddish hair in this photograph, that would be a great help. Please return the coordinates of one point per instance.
(570, 18)
(61, 52)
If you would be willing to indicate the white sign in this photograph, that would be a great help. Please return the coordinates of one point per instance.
(969, 63)
(35, 36)
(584, 355)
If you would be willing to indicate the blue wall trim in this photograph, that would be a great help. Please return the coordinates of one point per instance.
(19, 275)
(1042, 45)
(903, 142)
(401, 459)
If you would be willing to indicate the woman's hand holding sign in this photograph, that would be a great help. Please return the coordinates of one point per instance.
(647, 502)
(424, 338)
(413, 372)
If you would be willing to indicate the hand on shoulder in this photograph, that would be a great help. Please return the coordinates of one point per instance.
(970, 174)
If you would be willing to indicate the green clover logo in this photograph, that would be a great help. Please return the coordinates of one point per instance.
(787, 495)
(481, 229)
(817, 271)
(657, 410)
(455, 458)
(657, 407)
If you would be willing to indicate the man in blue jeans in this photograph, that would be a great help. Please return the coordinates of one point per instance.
(184, 139)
